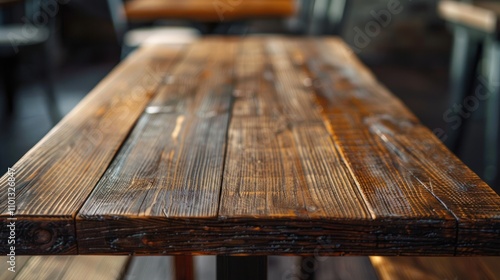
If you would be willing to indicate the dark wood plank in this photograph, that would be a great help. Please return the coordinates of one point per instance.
(433, 268)
(55, 177)
(387, 133)
(171, 165)
(321, 159)
(206, 10)
(283, 162)
(280, 157)
(263, 146)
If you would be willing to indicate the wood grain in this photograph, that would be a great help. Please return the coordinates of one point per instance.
(55, 177)
(320, 159)
(435, 268)
(290, 165)
(418, 156)
(171, 165)
(254, 146)
(206, 10)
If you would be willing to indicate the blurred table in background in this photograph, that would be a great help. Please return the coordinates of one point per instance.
(208, 10)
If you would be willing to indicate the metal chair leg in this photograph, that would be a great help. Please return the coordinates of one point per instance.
(242, 268)
(465, 58)
(492, 134)
(49, 72)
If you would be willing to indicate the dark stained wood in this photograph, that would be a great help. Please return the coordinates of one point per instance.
(258, 146)
(207, 10)
(171, 165)
(436, 268)
(418, 156)
(289, 165)
(55, 177)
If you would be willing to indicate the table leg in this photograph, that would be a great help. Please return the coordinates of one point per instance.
(492, 134)
(241, 268)
(184, 267)
(464, 61)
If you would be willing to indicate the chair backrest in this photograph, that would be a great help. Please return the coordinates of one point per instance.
(328, 16)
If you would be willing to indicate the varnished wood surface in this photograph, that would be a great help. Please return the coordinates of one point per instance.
(480, 15)
(436, 268)
(55, 177)
(258, 145)
(207, 10)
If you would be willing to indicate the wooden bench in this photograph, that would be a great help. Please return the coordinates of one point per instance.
(248, 146)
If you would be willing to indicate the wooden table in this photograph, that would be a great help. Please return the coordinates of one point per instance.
(210, 11)
(246, 146)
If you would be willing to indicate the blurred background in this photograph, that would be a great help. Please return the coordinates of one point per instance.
(67, 46)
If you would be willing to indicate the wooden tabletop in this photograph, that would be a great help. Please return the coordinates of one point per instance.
(481, 15)
(207, 10)
(257, 145)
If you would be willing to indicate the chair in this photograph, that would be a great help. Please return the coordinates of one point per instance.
(133, 38)
(17, 37)
(476, 43)
(328, 16)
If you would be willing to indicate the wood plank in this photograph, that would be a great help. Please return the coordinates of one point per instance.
(341, 167)
(282, 162)
(205, 10)
(263, 146)
(171, 165)
(279, 162)
(433, 268)
(414, 154)
(74, 268)
(55, 177)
